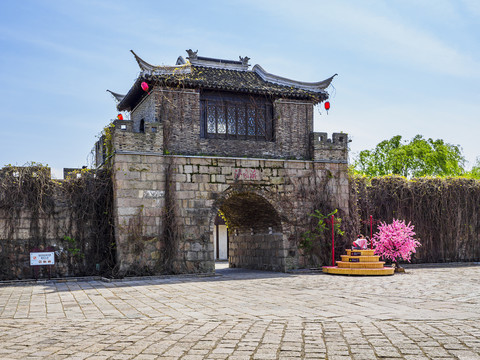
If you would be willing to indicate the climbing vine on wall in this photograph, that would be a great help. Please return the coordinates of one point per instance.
(445, 211)
(72, 217)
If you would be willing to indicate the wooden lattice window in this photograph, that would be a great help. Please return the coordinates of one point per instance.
(226, 116)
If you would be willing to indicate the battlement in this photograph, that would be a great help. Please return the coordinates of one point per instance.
(125, 139)
(120, 126)
(338, 139)
(325, 149)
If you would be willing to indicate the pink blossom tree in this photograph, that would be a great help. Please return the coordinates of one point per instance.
(395, 241)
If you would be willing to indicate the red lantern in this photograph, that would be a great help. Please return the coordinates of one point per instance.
(327, 105)
(120, 117)
(144, 86)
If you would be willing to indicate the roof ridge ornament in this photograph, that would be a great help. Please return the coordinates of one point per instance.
(195, 60)
(244, 60)
(192, 55)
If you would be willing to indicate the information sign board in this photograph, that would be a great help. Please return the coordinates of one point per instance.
(42, 258)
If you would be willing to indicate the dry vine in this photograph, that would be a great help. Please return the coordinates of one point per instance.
(445, 212)
(73, 217)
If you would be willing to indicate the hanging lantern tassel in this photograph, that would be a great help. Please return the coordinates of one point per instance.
(327, 106)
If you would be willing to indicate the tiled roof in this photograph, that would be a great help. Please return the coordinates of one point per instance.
(217, 76)
(233, 80)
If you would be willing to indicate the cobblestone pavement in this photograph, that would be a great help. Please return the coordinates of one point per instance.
(427, 313)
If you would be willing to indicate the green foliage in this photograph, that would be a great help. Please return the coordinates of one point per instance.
(73, 247)
(419, 157)
(107, 136)
(475, 172)
(316, 241)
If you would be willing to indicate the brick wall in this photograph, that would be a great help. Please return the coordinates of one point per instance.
(179, 112)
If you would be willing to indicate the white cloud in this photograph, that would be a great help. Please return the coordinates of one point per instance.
(378, 32)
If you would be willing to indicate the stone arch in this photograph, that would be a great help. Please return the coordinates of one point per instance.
(255, 238)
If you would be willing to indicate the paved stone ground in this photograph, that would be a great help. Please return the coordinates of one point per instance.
(427, 313)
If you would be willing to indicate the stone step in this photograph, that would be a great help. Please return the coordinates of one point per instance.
(348, 271)
(362, 252)
(364, 264)
(362, 258)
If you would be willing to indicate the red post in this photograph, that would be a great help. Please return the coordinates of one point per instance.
(371, 232)
(333, 241)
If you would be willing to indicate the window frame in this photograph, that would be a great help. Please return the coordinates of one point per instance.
(220, 102)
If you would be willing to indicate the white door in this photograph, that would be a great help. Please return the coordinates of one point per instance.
(220, 236)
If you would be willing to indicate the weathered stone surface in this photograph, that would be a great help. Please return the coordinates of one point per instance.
(248, 191)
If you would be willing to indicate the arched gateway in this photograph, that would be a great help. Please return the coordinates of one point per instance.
(211, 137)
(256, 238)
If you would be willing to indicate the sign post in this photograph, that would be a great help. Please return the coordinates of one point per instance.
(333, 240)
(43, 258)
(371, 232)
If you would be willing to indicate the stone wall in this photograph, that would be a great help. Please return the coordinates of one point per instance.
(257, 251)
(45, 218)
(33, 232)
(199, 186)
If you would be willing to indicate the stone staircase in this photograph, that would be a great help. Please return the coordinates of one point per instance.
(359, 262)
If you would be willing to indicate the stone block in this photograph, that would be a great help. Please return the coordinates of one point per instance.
(129, 202)
(125, 193)
(152, 176)
(200, 178)
(277, 180)
(220, 178)
(127, 211)
(201, 161)
(196, 247)
(274, 163)
(247, 163)
(181, 177)
(225, 163)
(294, 165)
(124, 174)
(190, 186)
(185, 195)
(192, 256)
(209, 169)
(179, 160)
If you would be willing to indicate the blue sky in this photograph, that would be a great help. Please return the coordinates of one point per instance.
(405, 67)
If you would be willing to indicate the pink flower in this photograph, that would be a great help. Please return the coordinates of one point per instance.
(395, 241)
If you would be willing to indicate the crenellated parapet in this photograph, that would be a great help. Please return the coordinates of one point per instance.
(124, 138)
(148, 140)
(325, 149)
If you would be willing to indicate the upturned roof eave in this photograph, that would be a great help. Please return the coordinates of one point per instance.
(318, 86)
(126, 103)
(135, 94)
